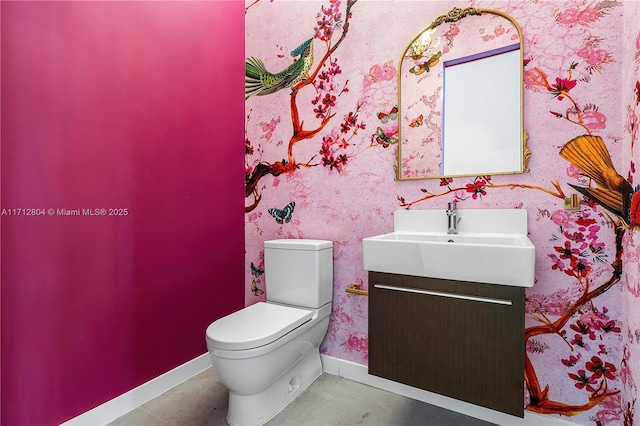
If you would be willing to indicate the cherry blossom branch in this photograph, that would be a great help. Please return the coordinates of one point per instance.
(547, 406)
(561, 91)
(249, 7)
(539, 400)
(345, 30)
(558, 193)
(299, 133)
(289, 165)
(330, 158)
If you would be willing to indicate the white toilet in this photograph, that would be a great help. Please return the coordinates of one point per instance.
(267, 353)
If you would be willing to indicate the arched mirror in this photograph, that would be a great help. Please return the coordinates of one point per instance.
(460, 98)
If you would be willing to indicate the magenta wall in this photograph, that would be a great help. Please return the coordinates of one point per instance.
(132, 105)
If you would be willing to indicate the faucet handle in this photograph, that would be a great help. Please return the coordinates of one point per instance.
(452, 205)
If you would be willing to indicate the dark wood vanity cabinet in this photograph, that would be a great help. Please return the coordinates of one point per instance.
(460, 339)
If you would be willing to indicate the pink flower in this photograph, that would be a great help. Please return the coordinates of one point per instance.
(569, 17)
(557, 262)
(580, 268)
(567, 252)
(583, 381)
(573, 171)
(599, 369)
(329, 100)
(378, 73)
(584, 329)
(576, 16)
(562, 87)
(359, 344)
(578, 341)
(571, 361)
(625, 371)
(609, 326)
(585, 221)
(594, 120)
(631, 124)
(562, 219)
(477, 188)
(592, 56)
(594, 318)
(609, 412)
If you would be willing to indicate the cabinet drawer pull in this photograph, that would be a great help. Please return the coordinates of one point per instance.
(444, 294)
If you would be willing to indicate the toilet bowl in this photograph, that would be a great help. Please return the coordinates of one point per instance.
(266, 354)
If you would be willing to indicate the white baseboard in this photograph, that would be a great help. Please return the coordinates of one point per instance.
(121, 405)
(359, 373)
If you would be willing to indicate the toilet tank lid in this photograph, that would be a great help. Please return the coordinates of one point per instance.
(298, 244)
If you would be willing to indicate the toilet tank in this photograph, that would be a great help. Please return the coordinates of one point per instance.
(299, 272)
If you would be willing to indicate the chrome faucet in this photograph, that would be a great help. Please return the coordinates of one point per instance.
(452, 218)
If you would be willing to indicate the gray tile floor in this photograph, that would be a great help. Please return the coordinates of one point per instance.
(330, 400)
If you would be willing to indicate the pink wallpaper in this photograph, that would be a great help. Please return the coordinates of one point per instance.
(128, 107)
(317, 167)
(630, 339)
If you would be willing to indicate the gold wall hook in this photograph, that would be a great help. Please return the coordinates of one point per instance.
(572, 202)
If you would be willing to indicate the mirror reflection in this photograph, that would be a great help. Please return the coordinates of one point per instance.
(460, 98)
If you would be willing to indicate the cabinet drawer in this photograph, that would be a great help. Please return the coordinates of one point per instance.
(459, 339)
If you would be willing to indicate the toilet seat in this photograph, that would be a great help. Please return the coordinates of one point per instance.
(255, 325)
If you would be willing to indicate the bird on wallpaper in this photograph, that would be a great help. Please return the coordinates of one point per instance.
(260, 82)
(613, 192)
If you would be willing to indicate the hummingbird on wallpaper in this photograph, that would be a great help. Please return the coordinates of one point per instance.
(259, 81)
(613, 192)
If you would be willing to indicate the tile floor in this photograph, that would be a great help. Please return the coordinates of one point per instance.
(330, 400)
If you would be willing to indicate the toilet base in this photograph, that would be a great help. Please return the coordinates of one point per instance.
(255, 410)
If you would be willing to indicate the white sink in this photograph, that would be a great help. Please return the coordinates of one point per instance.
(491, 247)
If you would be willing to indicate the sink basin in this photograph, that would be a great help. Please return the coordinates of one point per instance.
(482, 239)
(491, 247)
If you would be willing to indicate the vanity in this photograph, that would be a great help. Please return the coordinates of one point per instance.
(447, 287)
(446, 310)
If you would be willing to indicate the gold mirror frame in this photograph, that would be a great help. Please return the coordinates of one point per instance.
(454, 15)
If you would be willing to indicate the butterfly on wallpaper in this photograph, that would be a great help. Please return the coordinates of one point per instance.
(284, 215)
(383, 139)
(255, 290)
(392, 115)
(543, 212)
(427, 65)
(255, 271)
(417, 122)
(423, 46)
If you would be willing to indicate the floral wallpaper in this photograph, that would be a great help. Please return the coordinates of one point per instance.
(321, 132)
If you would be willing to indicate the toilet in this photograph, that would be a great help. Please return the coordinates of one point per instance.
(267, 353)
